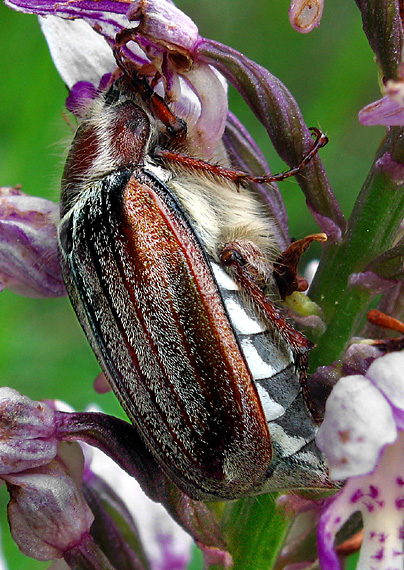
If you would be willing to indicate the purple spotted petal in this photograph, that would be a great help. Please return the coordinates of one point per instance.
(28, 248)
(349, 436)
(380, 499)
(305, 15)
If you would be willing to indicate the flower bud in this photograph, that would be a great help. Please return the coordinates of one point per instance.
(304, 15)
(26, 432)
(47, 511)
(28, 247)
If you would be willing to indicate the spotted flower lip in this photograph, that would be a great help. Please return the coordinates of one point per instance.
(362, 437)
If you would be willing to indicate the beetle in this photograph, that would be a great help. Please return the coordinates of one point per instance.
(168, 262)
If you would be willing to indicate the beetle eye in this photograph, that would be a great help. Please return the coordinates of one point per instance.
(66, 235)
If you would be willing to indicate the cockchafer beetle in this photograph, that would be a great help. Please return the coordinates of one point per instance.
(168, 262)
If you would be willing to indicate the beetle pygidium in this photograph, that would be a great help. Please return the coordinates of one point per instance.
(168, 268)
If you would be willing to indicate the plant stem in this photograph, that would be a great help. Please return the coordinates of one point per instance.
(255, 528)
(372, 229)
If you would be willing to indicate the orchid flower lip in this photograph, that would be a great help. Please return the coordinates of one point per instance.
(369, 454)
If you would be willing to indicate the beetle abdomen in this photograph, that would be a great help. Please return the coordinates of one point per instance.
(296, 460)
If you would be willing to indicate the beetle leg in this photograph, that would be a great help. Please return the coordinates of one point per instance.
(245, 270)
(175, 127)
(285, 267)
(238, 176)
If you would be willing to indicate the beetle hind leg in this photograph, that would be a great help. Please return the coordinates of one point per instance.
(250, 272)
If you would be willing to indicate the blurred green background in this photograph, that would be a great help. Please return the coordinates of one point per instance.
(331, 73)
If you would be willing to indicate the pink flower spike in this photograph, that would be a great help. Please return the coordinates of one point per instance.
(305, 15)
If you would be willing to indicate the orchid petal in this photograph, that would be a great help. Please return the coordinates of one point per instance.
(380, 499)
(387, 374)
(78, 52)
(349, 435)
(385, 112)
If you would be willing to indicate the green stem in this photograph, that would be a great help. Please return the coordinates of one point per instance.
(255, 529)
(372, 228)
